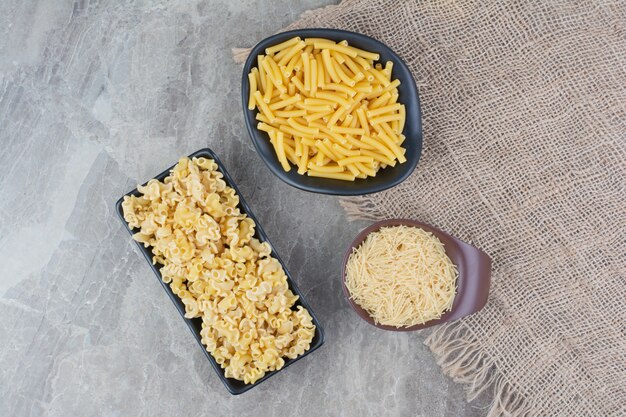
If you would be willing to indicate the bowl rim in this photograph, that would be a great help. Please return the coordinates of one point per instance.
(473, 278)
(364, 188)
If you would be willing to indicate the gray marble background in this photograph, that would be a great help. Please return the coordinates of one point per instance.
(96, 96)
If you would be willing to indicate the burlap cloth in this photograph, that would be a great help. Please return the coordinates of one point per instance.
(524, 111)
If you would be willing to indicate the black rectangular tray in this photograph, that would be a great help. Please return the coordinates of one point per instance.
(234, 386)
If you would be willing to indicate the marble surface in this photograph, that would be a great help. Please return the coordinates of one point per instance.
(96, 96)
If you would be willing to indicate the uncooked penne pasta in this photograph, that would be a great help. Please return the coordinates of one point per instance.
(353, 159)
(304, 159)
(320, 72)
(263, 106)
(292, 52)
(332, 175)
(306, 68)
(273, 49)
(269, 88)
(313, 77)
(329, 67)
(336, 47)
(342, 74)
(326, 168)
(280, 146)
(253, 89)
(329, 109)
(350, 130)
(341, 88)
(332, 96)
(284, 103)
(382, 110)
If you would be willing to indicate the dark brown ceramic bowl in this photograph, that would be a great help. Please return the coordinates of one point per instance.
(472, 286)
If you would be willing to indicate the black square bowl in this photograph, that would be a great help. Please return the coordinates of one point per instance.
(407, 95)
(234, 386)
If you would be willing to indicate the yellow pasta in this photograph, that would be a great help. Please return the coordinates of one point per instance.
(296, 81)
(364, 87)
(382, 110)
(350, 130)
(319, 102)
(313, 77)
(302, 128)
(355, 171)
(311, 41)
(378, 145)
(342, 88)
(298, 147)
(337, 56)
(325, 150)
(284, 103)
(363, 63)
(273, 49)
(337, 115)
(332, 175)
(332, 96)
(397, 151)
(362, 120)
(354, 67)
(365, 169)
(225, 277)
(402, 120)
(336, 47)
(384, 126)
(326, 168)
(315, 116)
(290, 64)
(328, 65)
(290, 153)
(290, 113)
(353, 159)
(348, 152)
(330, 109)
(319, 159)
(315, 108)
(365, 54)
(262, 77)
(292, 52)
(263, 106)
(306, 68)
(269, 88)
(252, 81)
(387, 118)
(275, 78)
(378, 157)
(280, 150)
(380, 101)
(304, 159)
(293, 132)
(320, 72)
(345, 78)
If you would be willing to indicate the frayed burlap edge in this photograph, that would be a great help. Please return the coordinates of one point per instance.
(359, 208)
(240, 54)
(462, 358)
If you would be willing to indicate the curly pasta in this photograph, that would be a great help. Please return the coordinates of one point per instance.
(221, 272)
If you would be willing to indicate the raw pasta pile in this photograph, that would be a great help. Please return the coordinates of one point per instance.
(219, 270)
(401, 276)
(328, 108)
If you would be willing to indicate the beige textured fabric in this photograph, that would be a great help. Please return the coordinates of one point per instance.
(524, 111)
